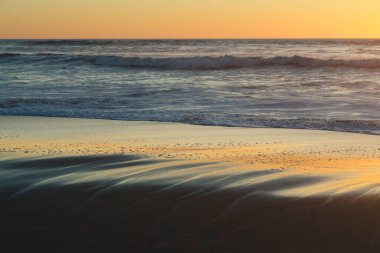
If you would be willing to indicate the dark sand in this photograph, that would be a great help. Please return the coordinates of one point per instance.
(129, 202)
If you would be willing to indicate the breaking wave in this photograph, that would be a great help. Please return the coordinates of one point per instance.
(230, 62)
(205, 62)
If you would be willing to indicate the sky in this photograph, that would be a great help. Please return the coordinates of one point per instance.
(189, 19)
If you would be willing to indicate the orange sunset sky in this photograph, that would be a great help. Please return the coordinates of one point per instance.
(189, 18)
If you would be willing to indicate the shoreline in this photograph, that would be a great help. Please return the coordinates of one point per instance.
(335, 155)
(367, 132)
(99, 185)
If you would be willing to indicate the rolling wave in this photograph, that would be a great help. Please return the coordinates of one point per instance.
(5, 55)
(230, 62)
(206, 62)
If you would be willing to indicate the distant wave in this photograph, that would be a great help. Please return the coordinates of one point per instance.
(70, 42)
(106, 42)
(207, 62)
(5, 55)
(89, 42)
(230, 62)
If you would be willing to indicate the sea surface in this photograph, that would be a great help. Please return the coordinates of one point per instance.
(311, 84)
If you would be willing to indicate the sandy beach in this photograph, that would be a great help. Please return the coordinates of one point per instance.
(211, 126)
(133, 186)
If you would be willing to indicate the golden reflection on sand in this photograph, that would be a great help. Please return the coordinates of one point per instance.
(347, 162)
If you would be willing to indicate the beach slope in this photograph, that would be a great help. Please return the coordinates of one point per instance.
(109, 186)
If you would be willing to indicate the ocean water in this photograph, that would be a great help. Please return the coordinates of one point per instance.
(311, 84)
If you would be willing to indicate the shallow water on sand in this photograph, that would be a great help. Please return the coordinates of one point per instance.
(118, 203)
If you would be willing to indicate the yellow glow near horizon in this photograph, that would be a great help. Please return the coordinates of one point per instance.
(189, 19)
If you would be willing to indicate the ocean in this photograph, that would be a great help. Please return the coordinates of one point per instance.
(305, 84)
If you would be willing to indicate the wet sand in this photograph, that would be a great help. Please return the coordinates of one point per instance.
(111, 186)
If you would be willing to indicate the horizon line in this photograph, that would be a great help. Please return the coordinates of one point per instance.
(200, 38)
